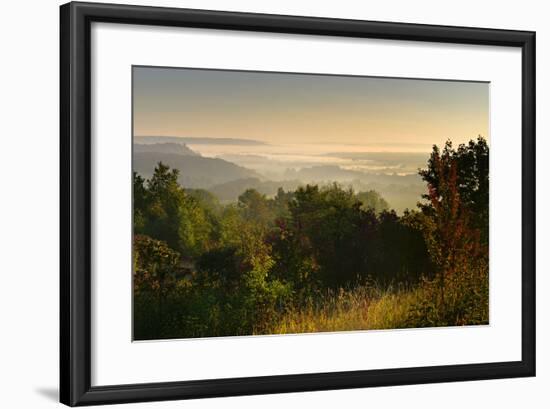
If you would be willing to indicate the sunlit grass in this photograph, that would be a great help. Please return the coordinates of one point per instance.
(362, 308)
(370, 307)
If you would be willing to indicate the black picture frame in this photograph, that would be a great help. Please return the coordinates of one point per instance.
(76, 199)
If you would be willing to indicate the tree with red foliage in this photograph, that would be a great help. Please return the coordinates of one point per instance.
(456, 235)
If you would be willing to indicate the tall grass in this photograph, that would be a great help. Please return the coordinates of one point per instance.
(462, 299)
(362, 308)
(370, 307)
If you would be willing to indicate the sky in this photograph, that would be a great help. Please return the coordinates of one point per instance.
(282, 108)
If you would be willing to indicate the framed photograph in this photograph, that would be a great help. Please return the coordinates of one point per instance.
(257, 204)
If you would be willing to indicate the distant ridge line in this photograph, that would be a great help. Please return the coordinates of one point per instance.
(145, 139)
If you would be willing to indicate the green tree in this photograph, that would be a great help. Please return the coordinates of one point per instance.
(164, 211)
(165, 202)
(195, 228)
(154, 276)
(456, 238)
(398, 250)
(330, 231)
(372, 200)
(471, 163)
(280, 203)
(255, 207)
(141, 203)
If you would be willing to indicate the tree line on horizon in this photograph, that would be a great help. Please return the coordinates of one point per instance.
(203, 269)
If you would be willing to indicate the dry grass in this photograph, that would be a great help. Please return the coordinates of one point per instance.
(363, 308)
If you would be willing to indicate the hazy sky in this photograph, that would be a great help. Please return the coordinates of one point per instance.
(304, 108)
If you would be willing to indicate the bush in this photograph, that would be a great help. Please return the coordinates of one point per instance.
(458, 299)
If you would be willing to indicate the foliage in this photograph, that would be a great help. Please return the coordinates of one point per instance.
(313, 258)
(459, 299)
(456, 237)
(157, 204)
(330, 240)
(254, 207)
(154, 276)
(372, 200)
(471, 171)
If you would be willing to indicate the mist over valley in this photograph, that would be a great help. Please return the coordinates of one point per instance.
(228, 166)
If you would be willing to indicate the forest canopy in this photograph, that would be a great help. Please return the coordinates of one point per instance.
(320, 257)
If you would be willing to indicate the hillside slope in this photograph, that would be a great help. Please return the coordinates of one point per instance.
(195, 171)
